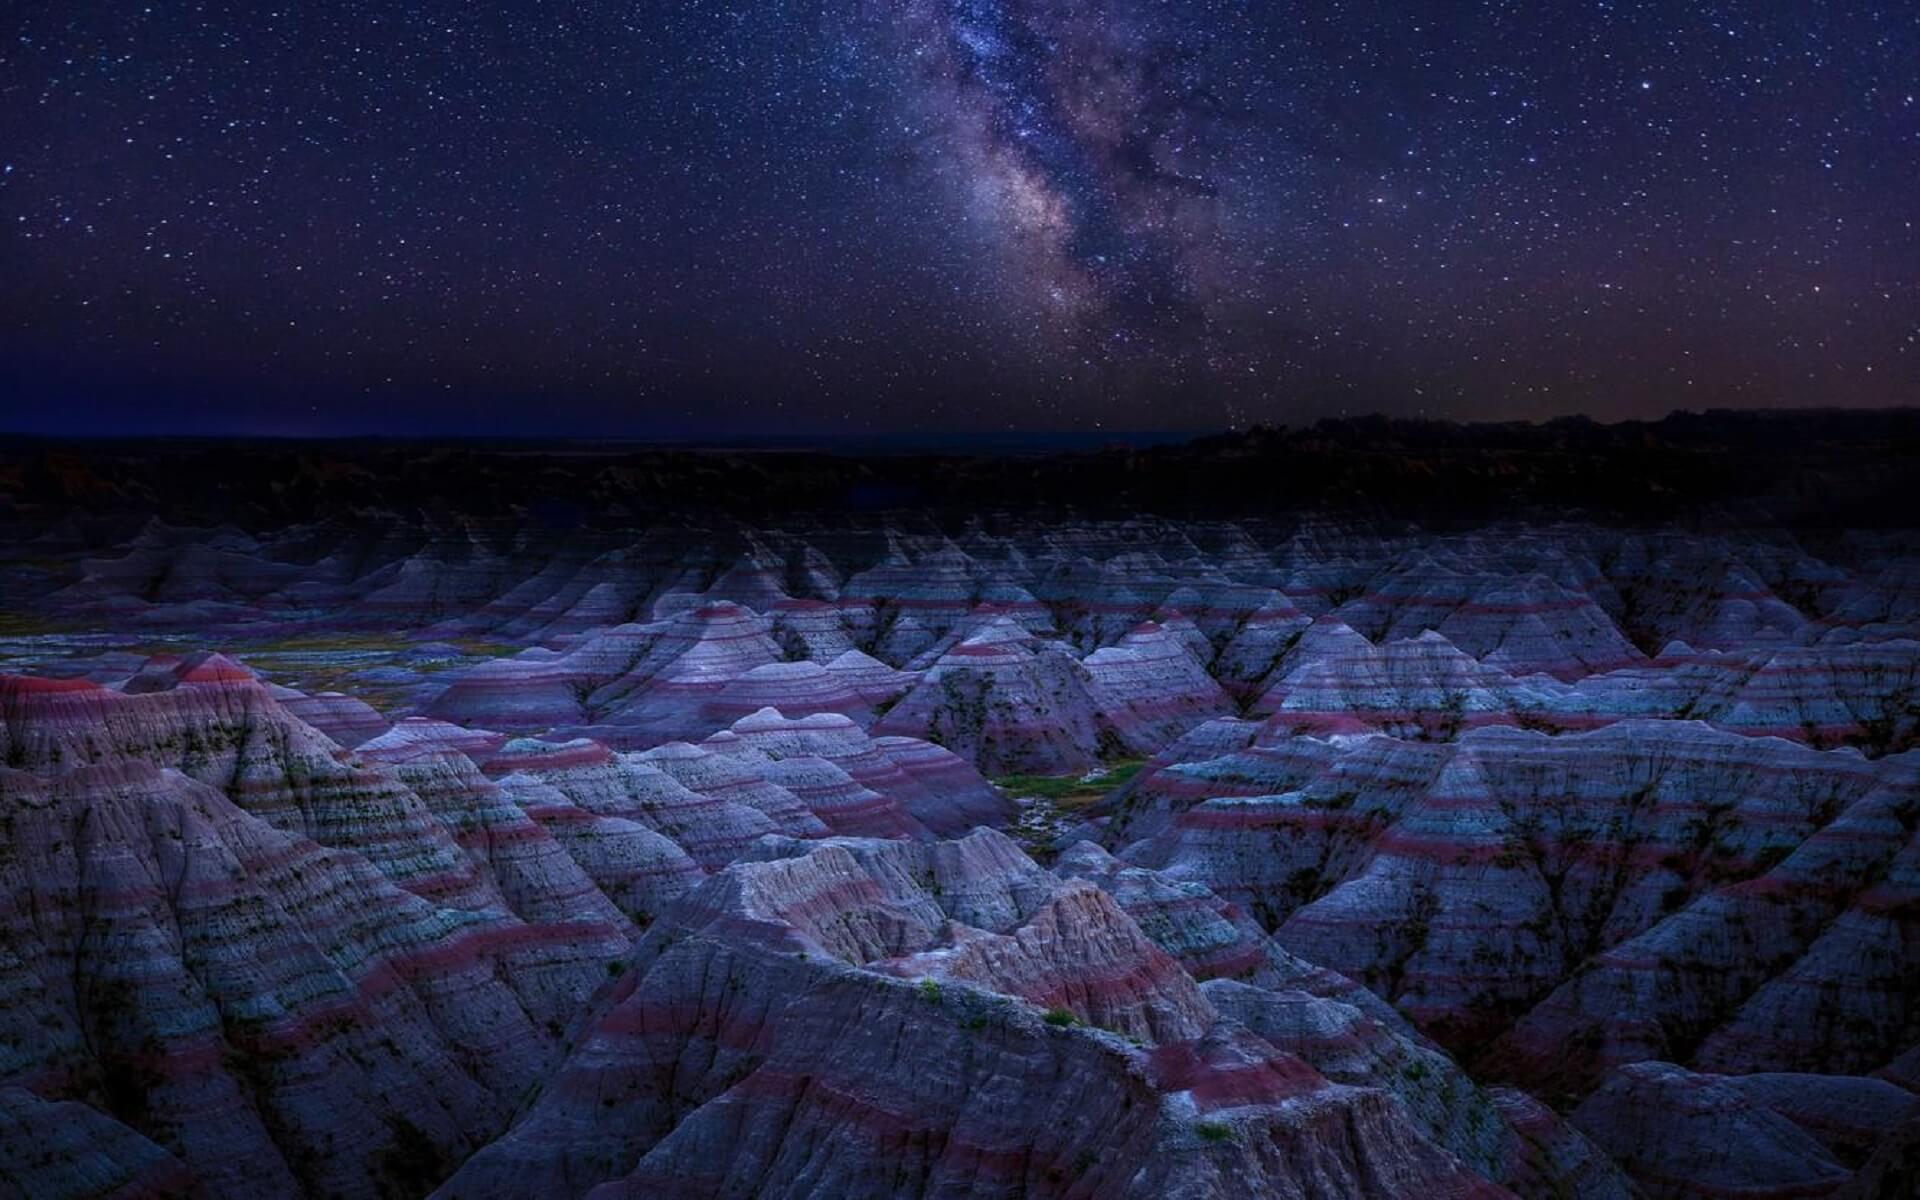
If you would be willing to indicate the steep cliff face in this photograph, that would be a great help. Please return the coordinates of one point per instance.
(1519, 623)
(1422, 688)
(1153, 686)
(920, 787)
(1806, 965)
(865, 1019)
(277, 1015)
(1005, 706)
(1468, 881)
(217, 724)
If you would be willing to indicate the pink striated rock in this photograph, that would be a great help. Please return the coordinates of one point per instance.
(522, 754)
(165, 672)
(346, 720)
(1503, 1135)
(870, 679)
(638, 869)
(1859, 694)
(1094, 603)
(1466, 882)
(534, 690)
(260, 942)
(231, 733)
(1220, 758)
(1080, 953)
(1748, 977)
(1004, 708)
(1258, 645)
(276, 1014)
(761, 1045)
(582, 606)
(1707, 593)
(804, 777)
(648, 681)
(726, 777)
(696, 656)
(981, 626)
(941, 789)
(1218, 603)
(1865, 695)
(1548, 1157)
(422, 737)
(1522, 625)
(813, 629)
(844, 805)
(1212, 938)
(1149, 689)
(531, 870)
(793, 1128)
(794, 688)
(1422, 688)
(712, 829)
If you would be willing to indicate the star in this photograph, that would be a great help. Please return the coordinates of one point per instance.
(421, 215)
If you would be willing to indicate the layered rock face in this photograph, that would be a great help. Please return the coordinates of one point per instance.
(278, 1016)
(263, 964)
(1041, 647)
(1352, 860)
(946, 1020)
(1686, 1134)
(1465, 881)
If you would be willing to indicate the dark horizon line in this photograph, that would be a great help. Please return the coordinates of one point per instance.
(722, 440)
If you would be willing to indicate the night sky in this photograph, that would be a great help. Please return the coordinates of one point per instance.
(786, 216)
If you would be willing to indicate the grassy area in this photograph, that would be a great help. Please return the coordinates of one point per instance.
(321, 661)
(312, 660)
(335, 643)
(366, 643)
(1072, 791)
(354, 650)
(21, 624)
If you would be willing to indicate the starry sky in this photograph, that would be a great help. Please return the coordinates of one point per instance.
(820, 216)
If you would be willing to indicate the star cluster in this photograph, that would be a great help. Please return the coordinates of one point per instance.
(838, 215)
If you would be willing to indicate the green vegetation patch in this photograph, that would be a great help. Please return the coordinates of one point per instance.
(1071, 791)
(14, 623)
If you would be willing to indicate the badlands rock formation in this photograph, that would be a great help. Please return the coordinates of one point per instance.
(358, 844)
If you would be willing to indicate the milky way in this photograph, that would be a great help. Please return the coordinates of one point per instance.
(1075, 121)
(801, 215)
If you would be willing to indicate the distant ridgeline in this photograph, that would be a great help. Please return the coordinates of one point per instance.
(1812, 467)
